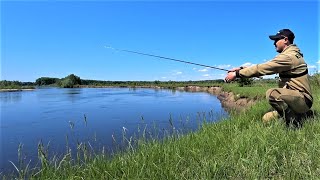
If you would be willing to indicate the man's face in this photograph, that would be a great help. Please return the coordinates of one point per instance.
(280, 44)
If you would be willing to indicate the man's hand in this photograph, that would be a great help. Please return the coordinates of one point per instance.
(231, 76)
(236, 69)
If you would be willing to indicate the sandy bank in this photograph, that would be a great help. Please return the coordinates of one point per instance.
(229, 100)
(14, 90)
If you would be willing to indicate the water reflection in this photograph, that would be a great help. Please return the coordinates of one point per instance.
(73, 94)
(72, 91)
(10, 97)
(173, 91)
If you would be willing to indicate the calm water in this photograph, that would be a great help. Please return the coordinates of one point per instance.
(50, 115)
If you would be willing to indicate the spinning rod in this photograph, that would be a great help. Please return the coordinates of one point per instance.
(162, 57)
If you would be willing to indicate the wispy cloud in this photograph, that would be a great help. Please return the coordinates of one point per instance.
(247, 64)
(163, 77)
(214, 76)
(224, 66)
(175, 73)
(203, 70)
(312, 67)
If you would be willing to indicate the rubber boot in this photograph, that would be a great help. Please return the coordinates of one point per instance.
(292, 118)
(309, 114)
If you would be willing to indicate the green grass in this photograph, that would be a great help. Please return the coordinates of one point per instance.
(241, 147)
(257, 91)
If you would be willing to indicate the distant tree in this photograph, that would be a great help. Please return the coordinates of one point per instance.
(27, 83)
(10, 83)
(4, 84)
(43, 81)
(75, 80)
(69, 81)
(66, 83)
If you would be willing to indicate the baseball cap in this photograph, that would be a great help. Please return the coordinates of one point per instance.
(283, 32)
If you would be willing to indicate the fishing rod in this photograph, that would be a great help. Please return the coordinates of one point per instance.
(162, 57)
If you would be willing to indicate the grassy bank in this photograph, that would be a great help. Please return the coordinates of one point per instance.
(241, 147)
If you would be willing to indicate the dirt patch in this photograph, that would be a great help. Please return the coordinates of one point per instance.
(228, 100)
(231, 102)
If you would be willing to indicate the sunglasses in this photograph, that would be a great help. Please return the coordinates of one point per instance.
(282, 37)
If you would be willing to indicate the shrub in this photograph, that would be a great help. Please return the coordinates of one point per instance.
(69, 81)
(245, 82)
(315, 79)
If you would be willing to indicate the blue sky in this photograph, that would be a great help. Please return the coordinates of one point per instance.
(57, 38)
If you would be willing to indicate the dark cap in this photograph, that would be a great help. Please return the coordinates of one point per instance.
(283, 33)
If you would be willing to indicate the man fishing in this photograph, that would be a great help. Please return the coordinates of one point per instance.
(293, 98)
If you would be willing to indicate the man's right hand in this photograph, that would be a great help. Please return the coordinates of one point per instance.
(231, 76)
(236, 69)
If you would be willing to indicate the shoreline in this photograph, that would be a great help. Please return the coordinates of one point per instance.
(228, 100)
(15, 90)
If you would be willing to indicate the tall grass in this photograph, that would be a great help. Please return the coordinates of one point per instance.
(256, 91)
(241, 147)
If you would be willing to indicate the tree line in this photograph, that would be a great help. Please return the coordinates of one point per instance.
(72, 81)
(4, 84)
(69, 81)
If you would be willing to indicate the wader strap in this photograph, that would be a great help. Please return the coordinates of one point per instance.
(294, 75)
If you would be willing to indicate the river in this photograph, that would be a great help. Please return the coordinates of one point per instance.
(56, 116)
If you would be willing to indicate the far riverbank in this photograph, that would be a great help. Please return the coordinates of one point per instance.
(15, 90)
